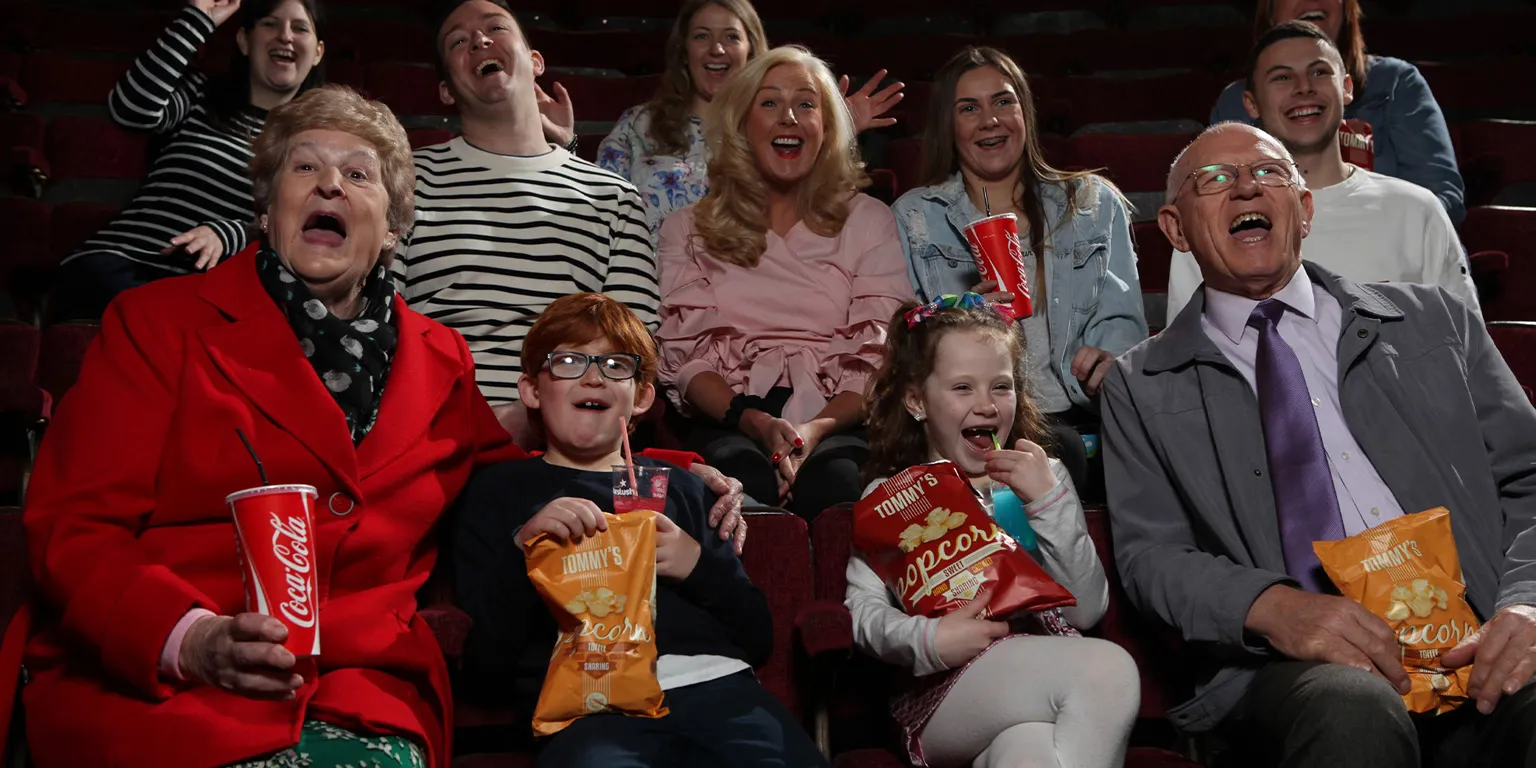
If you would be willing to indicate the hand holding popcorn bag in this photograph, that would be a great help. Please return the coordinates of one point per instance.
(1407, 571)
(602, 592)
(927, 535)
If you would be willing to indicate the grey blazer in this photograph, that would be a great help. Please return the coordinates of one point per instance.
(1424, 392)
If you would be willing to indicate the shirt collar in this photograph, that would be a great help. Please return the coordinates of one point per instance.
(1229, 312)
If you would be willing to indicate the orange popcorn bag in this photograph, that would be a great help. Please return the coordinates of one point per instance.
(1407, 571)
(925, 532)
(602, 592)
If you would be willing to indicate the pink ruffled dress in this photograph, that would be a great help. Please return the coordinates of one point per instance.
(810, 316)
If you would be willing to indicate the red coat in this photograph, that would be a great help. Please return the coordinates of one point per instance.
(128, 528)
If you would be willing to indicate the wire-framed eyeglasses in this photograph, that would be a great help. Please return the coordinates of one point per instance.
(1220, 177)
(615, 366)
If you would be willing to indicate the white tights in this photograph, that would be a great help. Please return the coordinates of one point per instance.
(1038, 702)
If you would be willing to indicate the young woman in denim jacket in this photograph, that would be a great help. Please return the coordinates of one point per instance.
(1408, 132)
(981, 135)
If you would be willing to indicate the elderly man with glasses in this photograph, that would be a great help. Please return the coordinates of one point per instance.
(1287, 405)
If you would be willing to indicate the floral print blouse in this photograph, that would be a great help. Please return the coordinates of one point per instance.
(666, 182)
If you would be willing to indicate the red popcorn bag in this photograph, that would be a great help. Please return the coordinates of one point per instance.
(926, 534)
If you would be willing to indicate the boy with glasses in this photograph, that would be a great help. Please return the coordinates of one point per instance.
(1368, 227)
(589, 369)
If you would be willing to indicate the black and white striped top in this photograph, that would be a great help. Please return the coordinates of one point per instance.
(200, 174)
(497, 238)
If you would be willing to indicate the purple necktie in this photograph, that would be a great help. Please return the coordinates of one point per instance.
(1305, 501)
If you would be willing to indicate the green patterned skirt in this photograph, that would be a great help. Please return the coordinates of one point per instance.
(322, 745)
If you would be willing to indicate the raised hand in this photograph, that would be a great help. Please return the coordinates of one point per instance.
(556, 114)
(1026, 469)
(218, 10)
(867, 105)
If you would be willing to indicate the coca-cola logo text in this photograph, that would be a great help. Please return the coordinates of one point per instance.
(290, 544)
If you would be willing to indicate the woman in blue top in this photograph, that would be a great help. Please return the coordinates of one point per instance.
(1408, 129)
(981, 139)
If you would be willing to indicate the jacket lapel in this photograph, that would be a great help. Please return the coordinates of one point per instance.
(425, 367)
(1237, 433)
(260, 356)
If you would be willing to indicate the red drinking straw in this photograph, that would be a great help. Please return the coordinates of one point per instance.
(629, 456)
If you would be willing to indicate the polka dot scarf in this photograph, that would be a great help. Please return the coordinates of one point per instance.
(351, 357)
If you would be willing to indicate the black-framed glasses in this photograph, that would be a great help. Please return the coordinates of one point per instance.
(1220, 177)
(615, 366)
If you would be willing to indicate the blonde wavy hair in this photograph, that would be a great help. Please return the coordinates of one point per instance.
(732, 219)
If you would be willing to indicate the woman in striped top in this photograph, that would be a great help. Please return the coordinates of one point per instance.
(195, 205)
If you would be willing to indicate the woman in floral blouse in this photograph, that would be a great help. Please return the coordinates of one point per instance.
(659, 146)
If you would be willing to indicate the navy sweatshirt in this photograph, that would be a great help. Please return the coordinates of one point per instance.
(715, 611)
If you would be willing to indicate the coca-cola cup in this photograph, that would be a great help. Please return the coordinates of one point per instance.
(648, 491)
(274, 535)
(995, 244)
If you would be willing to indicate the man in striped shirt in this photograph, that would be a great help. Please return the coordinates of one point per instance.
(506, 222)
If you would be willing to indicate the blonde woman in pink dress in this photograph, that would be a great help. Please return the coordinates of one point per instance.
(776, 288)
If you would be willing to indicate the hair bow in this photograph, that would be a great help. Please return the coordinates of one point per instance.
(967, 300)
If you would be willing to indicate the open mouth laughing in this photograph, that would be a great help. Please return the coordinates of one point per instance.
(1250, 227)
(326, 228)
(788, 147)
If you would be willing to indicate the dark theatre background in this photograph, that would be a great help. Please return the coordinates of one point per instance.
(1121, 85)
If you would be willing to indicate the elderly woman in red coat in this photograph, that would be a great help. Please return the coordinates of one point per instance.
(143, 654)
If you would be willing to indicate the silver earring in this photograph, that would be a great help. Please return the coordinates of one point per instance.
(918, 417)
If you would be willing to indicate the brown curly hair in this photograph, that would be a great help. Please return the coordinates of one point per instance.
(896, 440)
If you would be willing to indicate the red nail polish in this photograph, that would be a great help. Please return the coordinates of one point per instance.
(775, 458)
(799, 443)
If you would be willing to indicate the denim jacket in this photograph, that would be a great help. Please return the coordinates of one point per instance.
(1408, 131)
(1091, 286)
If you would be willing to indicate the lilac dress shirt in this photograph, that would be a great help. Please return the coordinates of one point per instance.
(1311, 326)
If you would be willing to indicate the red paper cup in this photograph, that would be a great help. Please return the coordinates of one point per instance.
(274, 535)
(995, 244)
(652, 491)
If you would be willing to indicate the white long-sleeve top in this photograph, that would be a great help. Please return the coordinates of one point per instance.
(882, 629)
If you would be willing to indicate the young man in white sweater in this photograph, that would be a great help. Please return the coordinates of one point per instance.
(507, 222)
(1366, 226)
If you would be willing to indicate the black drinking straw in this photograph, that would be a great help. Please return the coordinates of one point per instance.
(986, 202)
(260, 470)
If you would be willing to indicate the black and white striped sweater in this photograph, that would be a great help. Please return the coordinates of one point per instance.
(200, 174)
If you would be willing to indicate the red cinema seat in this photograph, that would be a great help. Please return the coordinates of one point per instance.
(1154, 256)
(905, 158)
(1085, 100)
(1505, 295)
(73, 222)
(63, 351)
(56, 77)
(94, 148)
(22, 139)
(1135, 162)
(426, 137)
(26, 224)
(1495, 154)
(604, 99)
(19, 349)
(408, 89)
(1517, 343)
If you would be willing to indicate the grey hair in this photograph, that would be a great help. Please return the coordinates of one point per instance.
(1177, 174)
